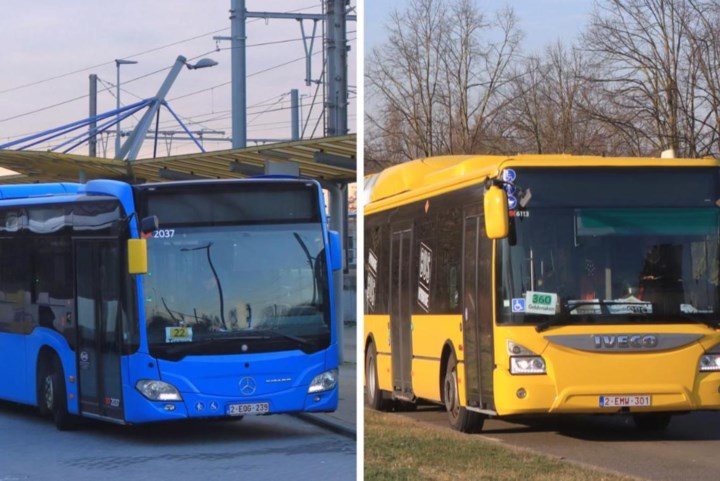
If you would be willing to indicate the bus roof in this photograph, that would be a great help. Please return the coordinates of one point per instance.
(430, 176)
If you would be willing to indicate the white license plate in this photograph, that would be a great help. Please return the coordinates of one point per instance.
(250, 408)
(624, 401)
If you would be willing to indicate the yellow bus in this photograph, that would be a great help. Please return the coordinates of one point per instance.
(544, 284)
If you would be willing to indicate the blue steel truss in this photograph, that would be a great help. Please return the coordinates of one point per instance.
(106, 121)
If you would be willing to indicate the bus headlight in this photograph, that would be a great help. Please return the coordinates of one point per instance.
(158, 390)
(324, 381)
(523, 360)
(710, 362)
(527, 365)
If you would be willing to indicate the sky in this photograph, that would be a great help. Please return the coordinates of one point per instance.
(50, 48)
(543, 21)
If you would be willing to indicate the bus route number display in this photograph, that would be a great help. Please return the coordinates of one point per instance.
(540, 303)
(178, 334)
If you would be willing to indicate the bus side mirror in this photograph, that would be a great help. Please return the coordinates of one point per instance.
(335, 250)
(149, 225)
(137, 256)
(497, 220)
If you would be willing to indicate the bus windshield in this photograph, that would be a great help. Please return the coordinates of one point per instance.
(612, 246)
(233, 289)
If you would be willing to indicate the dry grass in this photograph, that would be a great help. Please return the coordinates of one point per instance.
(397, 448)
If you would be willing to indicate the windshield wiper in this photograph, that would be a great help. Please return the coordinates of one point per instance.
(251, 335)
(708, 322)
(274, 333)
(562, 319)
(566, 318)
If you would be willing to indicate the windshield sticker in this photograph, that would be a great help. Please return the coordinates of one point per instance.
(519, 213)
(627, 305)
(510, 189)
(690, 309)
(178, 334)
(545, 303)
(371, 280)
(424, 277)
(508, 175)
(372, 262)
(518, 304)
(512, 202)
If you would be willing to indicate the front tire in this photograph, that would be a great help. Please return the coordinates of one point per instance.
(54, 395)
(375, 396)
(460, 418)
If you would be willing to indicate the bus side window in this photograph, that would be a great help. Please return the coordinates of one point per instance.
(453, 291)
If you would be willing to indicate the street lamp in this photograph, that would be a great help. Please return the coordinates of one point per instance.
(119, 62)
(202, 63)
(132, 146)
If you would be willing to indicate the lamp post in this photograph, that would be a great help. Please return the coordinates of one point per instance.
(132, 146)
(202, 63)
(119, 62)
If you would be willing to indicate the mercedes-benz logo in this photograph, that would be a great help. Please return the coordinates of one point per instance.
(247, 386)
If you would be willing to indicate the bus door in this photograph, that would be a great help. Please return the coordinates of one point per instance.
(477, 310)
(400, 311)
(98, 270)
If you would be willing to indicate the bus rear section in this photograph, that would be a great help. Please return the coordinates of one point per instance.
(601, 296)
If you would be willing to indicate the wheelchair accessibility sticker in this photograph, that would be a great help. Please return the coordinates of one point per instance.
(518, 304)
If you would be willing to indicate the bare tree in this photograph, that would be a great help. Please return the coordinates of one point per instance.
(659, 71)
(435, 84)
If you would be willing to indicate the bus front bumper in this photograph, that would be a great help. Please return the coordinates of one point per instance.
(538, 394)
(194, 405)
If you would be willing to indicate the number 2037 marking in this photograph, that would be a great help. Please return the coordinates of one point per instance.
(164, 233)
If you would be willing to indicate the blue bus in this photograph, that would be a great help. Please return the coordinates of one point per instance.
(153, 302)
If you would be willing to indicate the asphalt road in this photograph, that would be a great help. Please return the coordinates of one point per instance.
(258, 447)
(689, 450)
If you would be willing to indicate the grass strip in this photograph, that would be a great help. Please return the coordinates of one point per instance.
(398, 449)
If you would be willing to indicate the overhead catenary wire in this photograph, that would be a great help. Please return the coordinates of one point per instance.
(135, 55)
(42, 109)
(195, 120)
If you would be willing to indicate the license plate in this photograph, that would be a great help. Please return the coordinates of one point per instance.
(624, 401)
(250, 408)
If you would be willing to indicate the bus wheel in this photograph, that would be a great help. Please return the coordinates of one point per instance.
(375, 397)
(42, 373)
(652, 422)
(54, 395)
(460, 418)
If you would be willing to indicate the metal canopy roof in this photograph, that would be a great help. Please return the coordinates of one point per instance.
(329, 158)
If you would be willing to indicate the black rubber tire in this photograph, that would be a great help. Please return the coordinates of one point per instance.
(55, 395)
(652, 422)
(460, 418)
(376, 398)
(42, 373)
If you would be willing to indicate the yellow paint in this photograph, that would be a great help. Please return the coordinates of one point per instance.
(576, 379)
(497, 220)
(423, 178)
(426, 381)
(430, 334)
(378, 328)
